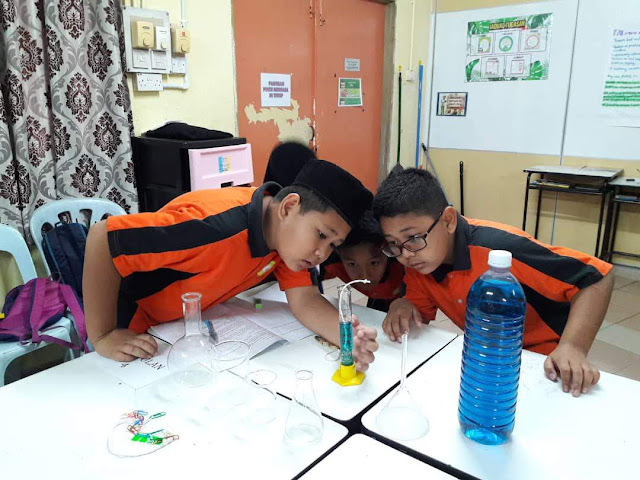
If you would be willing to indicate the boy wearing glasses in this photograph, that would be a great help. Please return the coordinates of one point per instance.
(443, 252)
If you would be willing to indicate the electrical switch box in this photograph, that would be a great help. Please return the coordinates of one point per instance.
(142, 34)
(163, 38)
(180, 40)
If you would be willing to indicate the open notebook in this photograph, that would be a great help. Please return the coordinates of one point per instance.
(261, 328)
(272, 324)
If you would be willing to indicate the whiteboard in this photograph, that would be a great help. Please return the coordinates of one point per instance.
(516, 116)
(588, 134)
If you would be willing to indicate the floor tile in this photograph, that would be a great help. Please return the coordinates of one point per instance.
(616, 313)
(625, 301)
(622, 337)
(622, 281)
(610, 358)
(632, 371)
(633, 288)
(633, 323)
(627, 272)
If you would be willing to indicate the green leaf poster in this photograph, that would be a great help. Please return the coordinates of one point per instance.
(349, 92)
(508, 49)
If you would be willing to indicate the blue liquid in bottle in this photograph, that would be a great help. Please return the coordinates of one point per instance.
(494, 327)
(346, 344)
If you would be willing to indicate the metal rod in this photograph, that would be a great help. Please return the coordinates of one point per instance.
(461, 188)
(399, 112)
(526, 202)
(420, 75)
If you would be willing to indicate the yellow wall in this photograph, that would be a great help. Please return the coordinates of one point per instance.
(210, 100)
(494, 184)
(403, 39)
(460, 5)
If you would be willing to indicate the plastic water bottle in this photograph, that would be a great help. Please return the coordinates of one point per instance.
(494, 326)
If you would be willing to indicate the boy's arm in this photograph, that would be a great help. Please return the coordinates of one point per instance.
(569, 359)
(100, 286)
(317, 314)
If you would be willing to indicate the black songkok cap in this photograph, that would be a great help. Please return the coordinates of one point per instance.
(339, 188)
(286, 161)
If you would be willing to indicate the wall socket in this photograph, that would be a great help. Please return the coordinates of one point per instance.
(149, 82)
(178, 64)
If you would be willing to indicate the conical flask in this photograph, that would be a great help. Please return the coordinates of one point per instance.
(402, 418)
(304, 422)
(190, 357)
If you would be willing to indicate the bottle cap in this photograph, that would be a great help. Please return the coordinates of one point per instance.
(499, 259)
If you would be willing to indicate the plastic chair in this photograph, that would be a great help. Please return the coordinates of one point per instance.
(69, 210)
(12, 242)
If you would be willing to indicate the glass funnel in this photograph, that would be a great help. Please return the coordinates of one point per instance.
(401, 418)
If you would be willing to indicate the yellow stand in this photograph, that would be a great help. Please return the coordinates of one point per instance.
(347, 376)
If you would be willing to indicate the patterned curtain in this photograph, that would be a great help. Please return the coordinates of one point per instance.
(65, 118)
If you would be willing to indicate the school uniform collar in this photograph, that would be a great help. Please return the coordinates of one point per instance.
(461, 256)
(257, 243)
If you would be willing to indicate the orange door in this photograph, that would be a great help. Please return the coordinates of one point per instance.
(273, 36)
(350, 136)
(310, 40)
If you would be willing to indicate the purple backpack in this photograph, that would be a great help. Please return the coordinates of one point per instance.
(30, 309)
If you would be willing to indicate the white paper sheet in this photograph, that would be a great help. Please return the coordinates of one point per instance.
(273, 294)
(277, 318)
(139, 372)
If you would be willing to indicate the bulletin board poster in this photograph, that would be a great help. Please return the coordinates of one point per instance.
(452, 104)
(620, 104)
(509, 49)
(349, 92)
(275, 90)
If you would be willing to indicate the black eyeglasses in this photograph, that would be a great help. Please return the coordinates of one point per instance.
(414, 244)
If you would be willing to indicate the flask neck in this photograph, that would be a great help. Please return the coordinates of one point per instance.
(304, 381)
(191, 310)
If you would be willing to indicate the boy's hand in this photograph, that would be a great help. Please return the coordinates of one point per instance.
(124, 345)
(570, 362)
(364, 344)
(401, 314)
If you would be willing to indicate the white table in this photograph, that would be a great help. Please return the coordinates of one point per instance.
(555, 436)
(61, 419)
(344, 403)
(363, 457)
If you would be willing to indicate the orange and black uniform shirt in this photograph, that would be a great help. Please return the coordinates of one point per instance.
(380, 297)
(206, 241)
(550, 277)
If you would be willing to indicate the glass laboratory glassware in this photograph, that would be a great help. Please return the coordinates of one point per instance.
(346, 375)
(189, 359)
(401, 418)
(304, 421)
